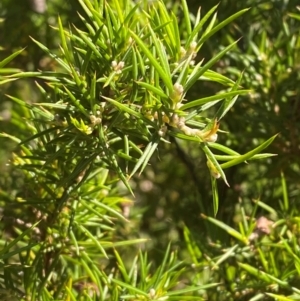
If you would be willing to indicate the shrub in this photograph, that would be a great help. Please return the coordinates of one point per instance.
(119, 92)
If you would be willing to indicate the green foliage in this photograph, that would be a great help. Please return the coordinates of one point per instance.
(262, 258)
(122, 84)
(133, 100)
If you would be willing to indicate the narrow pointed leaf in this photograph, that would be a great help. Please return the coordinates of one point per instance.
(210, 156)
(10, 58)
(201, 101)
(199, 26)
(207, 66)
(154, 62)
(143, 160)
(221, 25)
(214, 187)
(231, 231)
(248, 155)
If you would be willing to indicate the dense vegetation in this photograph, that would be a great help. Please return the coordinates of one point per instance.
(150, 150)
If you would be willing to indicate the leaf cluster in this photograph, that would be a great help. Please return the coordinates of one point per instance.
(120, 91)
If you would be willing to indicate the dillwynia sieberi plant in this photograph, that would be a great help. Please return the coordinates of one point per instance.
(120, 89)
